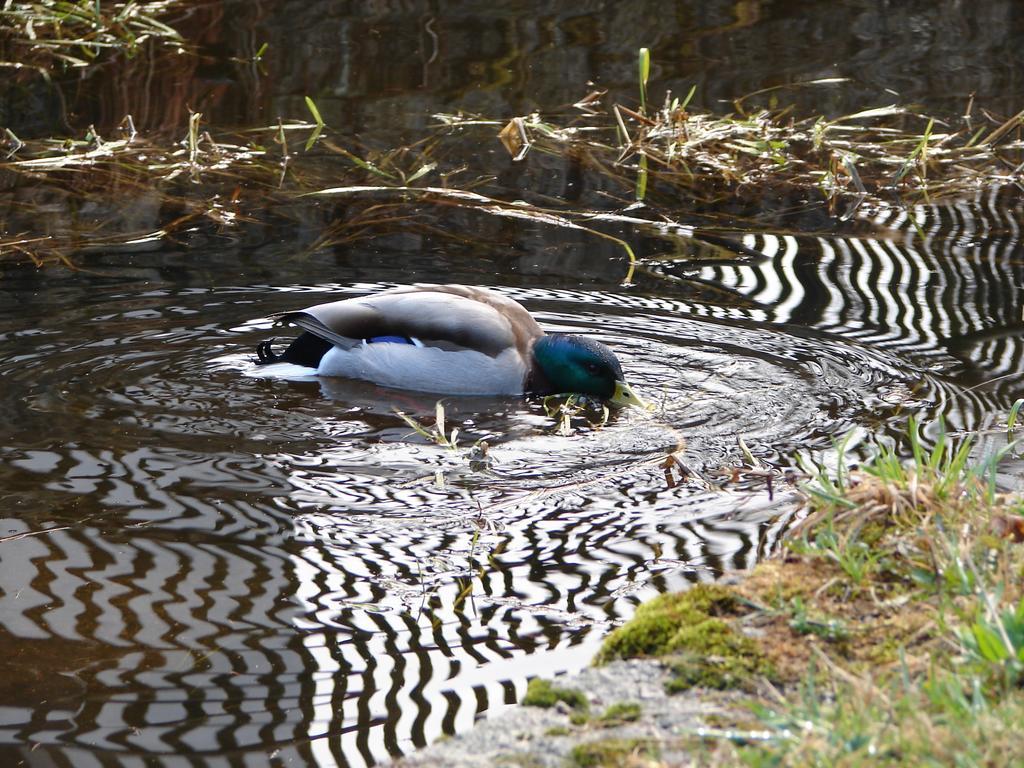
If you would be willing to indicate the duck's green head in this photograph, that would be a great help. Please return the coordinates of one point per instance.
(584, 366)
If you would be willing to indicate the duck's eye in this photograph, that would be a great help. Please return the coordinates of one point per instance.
(593, 368)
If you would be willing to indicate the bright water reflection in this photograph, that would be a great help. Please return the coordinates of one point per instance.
(231, 562)
(201, 567)
(198, 561)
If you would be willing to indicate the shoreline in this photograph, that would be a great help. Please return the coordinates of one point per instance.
(536, 737)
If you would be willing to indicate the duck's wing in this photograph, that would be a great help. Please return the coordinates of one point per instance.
(451, 316)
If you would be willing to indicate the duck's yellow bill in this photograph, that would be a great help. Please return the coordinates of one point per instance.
(624, 395)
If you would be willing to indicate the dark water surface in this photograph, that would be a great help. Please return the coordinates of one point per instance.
(203, 567)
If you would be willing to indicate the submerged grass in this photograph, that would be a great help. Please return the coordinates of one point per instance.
(890, 632)
(237, 180)
(145, 191)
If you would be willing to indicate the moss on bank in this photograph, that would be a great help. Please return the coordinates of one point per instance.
(621, 712)
(694, 630)
(542, 693)
(613, 753)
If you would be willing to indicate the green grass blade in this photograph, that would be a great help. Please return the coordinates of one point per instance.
(420, 172)
(641, 179)
(1011, 420)
(689, 97)
(315, 112)
(645, 73)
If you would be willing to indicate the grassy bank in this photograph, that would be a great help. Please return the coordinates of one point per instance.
(890, 631)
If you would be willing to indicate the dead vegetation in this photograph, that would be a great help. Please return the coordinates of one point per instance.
(660, 170)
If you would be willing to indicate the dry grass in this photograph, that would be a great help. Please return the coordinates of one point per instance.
(886, 152)
(680, 162)
(50, 34)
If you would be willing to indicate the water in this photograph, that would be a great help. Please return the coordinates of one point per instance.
(274, 561)
(202, 567)
(237, 567)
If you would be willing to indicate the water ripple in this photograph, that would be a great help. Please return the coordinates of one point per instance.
(200, 561)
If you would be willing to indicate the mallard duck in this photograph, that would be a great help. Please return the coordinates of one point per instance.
(449, 339)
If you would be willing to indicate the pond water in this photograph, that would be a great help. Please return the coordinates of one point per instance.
(203, 567)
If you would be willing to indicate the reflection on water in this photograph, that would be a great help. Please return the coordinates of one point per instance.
(938, 287)
(202, 567)
(382, 69)
(225, 564)
(197, 561)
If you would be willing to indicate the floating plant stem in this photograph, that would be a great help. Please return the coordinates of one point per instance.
(437, 433)
(311, 106)
(641, 179)
(489, 205)
(193, 137)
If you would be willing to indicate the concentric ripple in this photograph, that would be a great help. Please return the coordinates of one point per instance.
(210, 562)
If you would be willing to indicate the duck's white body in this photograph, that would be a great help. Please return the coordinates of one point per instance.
(428, 369)
(449, 339)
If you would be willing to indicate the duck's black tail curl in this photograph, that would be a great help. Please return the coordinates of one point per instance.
(306, 350)
(265, 353)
